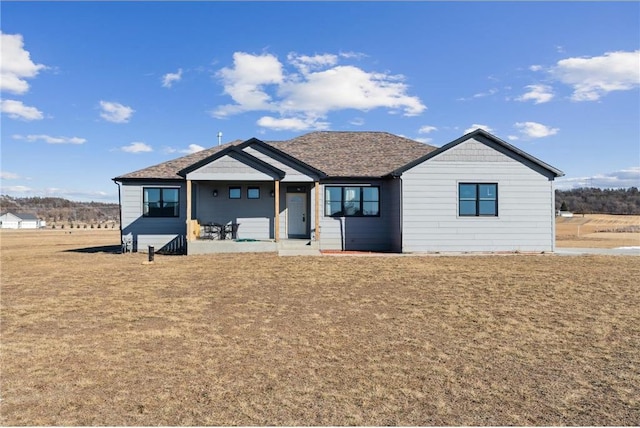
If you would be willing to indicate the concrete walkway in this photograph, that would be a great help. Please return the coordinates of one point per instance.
(623, 251)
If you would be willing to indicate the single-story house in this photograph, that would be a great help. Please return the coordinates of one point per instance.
(20, 221)
(364, 191)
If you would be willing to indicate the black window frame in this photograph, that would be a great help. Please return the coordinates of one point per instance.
(238, 188)
(163, 210)
(249, 189)
(477, 199)
(360, 212)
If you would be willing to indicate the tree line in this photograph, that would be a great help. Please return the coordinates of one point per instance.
(593, 200)
(60, 211)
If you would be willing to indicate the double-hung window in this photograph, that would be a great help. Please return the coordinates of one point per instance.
(160, 202)
(478, 199)
(352, 201)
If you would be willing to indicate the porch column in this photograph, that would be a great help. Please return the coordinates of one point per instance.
(317, 225)
(189, 234)
(276, 218)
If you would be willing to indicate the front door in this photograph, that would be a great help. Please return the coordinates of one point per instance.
(296, 215)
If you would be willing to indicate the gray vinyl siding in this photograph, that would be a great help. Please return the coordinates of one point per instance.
(228, 168)
(155, 231)
(292, 174)
(254, 216)
(430, 204)
(363, 233)
(394, 205)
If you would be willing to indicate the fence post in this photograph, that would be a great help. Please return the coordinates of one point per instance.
(151, 253)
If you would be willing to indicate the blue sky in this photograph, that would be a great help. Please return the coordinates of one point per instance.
(93, 90)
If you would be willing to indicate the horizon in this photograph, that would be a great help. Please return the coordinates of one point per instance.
(127, 85)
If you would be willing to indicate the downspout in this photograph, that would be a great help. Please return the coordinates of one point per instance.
(553, 217)
(119, 207)
(400, 215)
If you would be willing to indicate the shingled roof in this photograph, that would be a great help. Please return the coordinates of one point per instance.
(354, 154)
(336, 154)
(169, 170)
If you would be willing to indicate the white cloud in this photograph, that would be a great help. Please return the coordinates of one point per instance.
(535, 68)
(538, 93)
(193, 148)
(594, 77)
(306, 63)
(357, 121)
(50, 140)
(423, 140)
(17, 110)
(245, 82)
(488, 93)
(115, 112)
(491, 91)
(316, 86)
(16, 64)
(16, 189)
(291, 124)
(613, 180)
(477, 126)
(348, 87)
(137, 147)
(352, 55)
(6, 175)
(169, 78)
(427, 129)
(535, 130)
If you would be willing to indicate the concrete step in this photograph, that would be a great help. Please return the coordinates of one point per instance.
(298, 247)
(295, 252)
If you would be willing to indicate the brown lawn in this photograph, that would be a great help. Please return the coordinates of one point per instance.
(598, 231)
(90, 337)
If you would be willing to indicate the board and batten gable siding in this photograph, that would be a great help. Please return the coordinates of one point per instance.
(292, 174)
(431, 223)
(381, 233)
(151, 231)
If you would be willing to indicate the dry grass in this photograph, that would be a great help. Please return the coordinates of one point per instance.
(598, 231)
(95, 338)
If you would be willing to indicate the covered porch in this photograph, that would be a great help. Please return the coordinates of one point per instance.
(252, 196)
(250, 216)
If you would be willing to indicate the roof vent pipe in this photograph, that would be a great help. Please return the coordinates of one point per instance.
(219, 137)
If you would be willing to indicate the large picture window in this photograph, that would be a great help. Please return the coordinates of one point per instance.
(352, 201)
(160, 202)
(478, 199)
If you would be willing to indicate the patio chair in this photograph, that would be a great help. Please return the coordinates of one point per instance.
(231, 231)
(127, 243)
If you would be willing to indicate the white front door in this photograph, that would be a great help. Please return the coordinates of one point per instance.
(296, 214)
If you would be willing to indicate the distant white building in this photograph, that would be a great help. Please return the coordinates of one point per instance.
(20, 221)
(565, 214)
